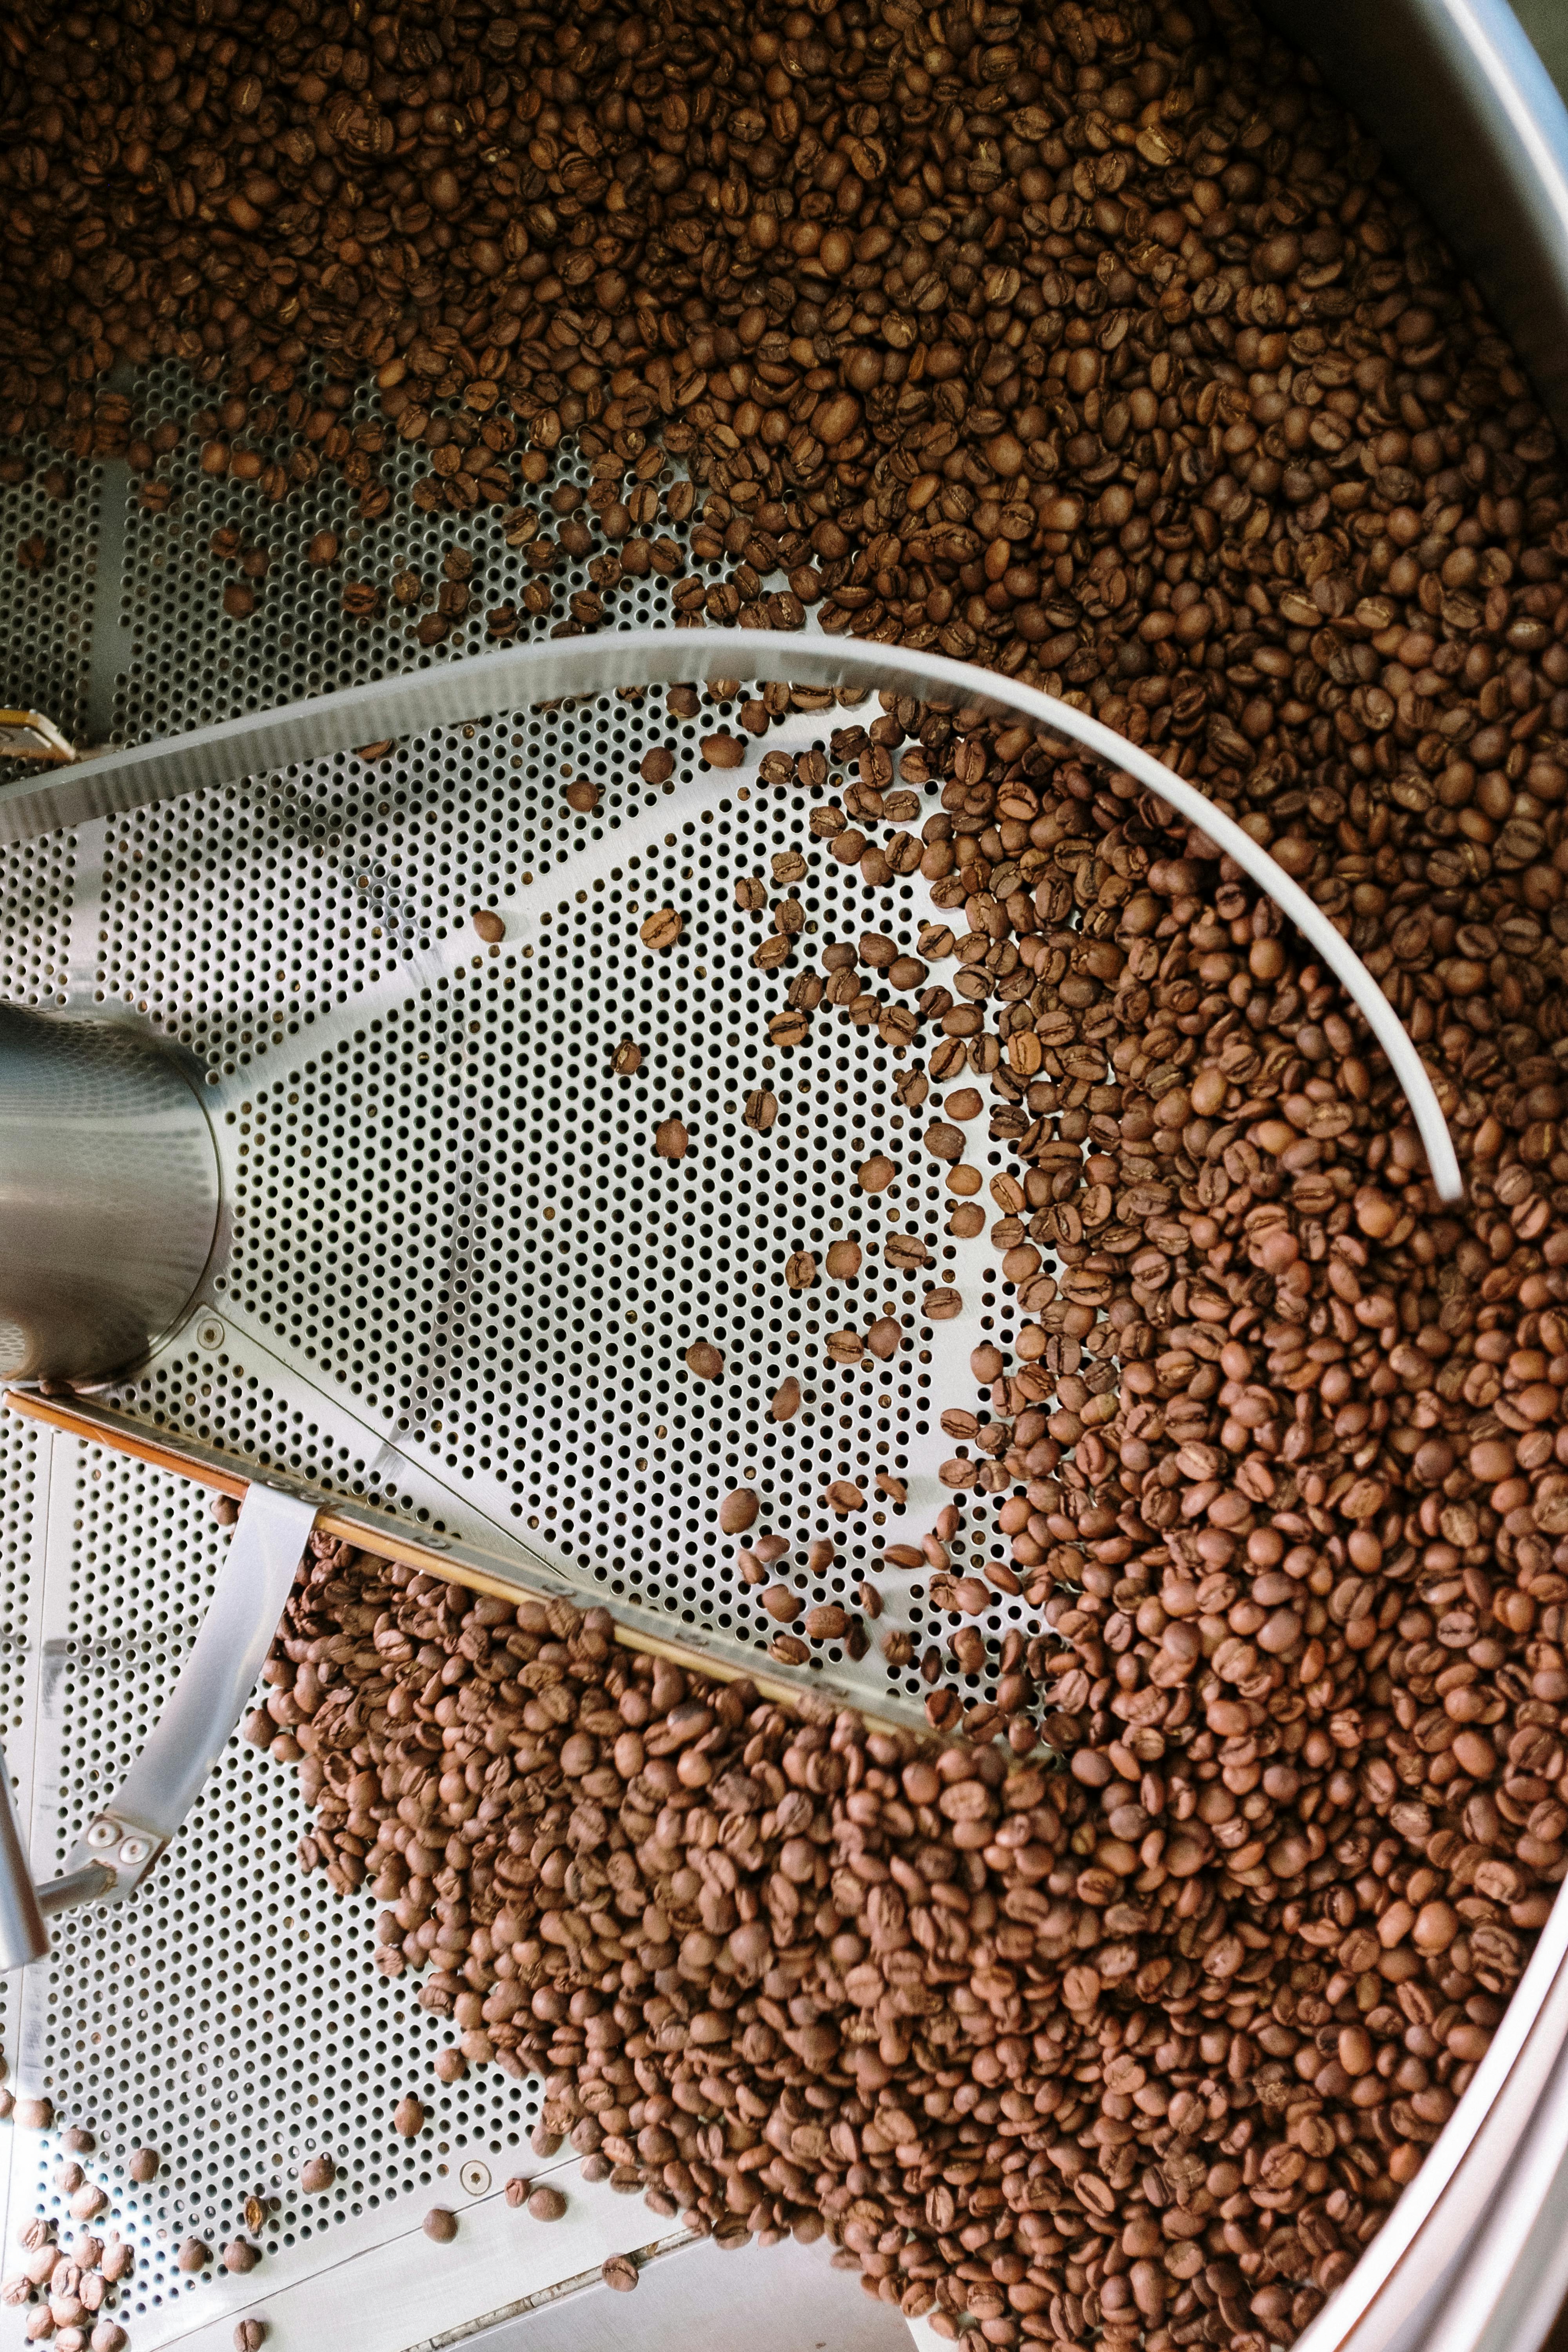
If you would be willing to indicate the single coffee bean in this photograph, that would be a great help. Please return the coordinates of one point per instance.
(517, 2191)
(584, 796)
(547, 2204)
(321, 550)
(738, 1510)
(250, 2335)
(194, 2255)
(722, 751)
(440, 2224)
(490, 925)
(317, 2174)
(240, 2255)
(671, 1140)
(662, 928)
(108, 2336)
(80, 2142)
(628, 1059)
(449, 2065)
(620, 2271)
(658, 765)
(408, 2117)
(705, 1360)
(35, 2115)
(785, 1400)
(877, 1173)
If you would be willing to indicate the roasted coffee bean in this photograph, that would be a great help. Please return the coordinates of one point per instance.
(194, 2255)
(620, 2271)
(491, 926)
(317, 2175)
(658, 765)
(785, 1401)
(408, 2117)
(440, 2224)
(661, 929)
(250, 2335)
(143, 2164)
(671, 1140)
(517, 2191)
(704, 1359)
(547, 2204)
(35, 2115)
(738, 1510)
(627, 1058)
(240, 2255)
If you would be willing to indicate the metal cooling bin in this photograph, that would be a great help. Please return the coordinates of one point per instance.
(228, 2015)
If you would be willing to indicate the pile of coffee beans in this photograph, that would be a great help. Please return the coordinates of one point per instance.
(67, 2291)
(1109, 2047)
(1095, 344)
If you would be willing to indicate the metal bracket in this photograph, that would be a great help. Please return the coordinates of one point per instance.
(125, 1839)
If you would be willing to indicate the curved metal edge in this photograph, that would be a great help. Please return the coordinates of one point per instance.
(1427, 2235)
(1470, 117)
(488, 683)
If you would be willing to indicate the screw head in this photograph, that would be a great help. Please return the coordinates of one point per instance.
(210, 1332)
(134, 1850)
(101, 1834)
(475, 2176)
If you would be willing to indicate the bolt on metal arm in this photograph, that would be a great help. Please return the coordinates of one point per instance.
(124, 1839)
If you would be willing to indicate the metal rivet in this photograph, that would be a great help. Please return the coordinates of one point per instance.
(475, 2176)
(102, 1833)
(134, 1850)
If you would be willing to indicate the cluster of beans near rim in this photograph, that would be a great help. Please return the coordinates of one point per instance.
(1094, 344)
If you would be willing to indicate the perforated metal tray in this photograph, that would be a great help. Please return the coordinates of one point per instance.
(455, 1277)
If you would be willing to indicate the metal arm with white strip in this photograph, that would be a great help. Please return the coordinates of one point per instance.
(125, 1837)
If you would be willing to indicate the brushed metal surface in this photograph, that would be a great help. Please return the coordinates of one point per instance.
(108, 1196)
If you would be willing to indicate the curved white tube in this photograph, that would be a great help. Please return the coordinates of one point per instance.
(543, 671)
